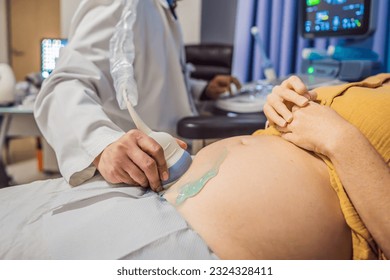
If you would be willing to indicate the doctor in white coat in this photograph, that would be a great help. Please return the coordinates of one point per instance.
(77, 110)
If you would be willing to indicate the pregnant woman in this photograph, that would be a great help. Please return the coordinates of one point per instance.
(324, 197)
(314, 185)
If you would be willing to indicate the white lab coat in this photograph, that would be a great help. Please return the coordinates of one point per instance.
(76, 109)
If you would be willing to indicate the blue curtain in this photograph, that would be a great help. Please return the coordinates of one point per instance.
(388, 45)
(277, 23)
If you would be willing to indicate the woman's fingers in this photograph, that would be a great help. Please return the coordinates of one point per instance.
(281, 101)
(273, 117)
(292, 92)
(291, 96)
(295, 83)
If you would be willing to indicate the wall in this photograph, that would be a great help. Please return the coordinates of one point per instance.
(189, 13)
(218, 21)
(3, 33)
(68, 7)
(201, 21)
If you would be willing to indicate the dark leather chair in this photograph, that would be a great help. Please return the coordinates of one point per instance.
(211, 127)
(219, 125)
(210, 60)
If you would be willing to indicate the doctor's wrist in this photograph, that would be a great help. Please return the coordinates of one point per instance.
(204, 96)
(96, 161)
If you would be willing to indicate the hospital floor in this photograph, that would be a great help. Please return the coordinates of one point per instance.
(27, 171)
(22, 164)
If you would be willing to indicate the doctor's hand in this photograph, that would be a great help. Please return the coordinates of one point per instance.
(316, 128)
(292, 92)
(221, 84)
(134, 159)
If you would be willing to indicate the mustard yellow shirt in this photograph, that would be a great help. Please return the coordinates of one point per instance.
(366, 105)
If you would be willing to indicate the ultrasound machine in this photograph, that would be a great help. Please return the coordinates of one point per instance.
(350, 20)
(50, 51)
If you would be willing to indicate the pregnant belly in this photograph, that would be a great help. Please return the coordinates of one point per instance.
(268, 199)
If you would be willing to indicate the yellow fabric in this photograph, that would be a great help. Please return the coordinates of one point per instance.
(366, 105)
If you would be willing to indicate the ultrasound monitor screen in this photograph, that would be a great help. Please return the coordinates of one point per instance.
(330, 18)
(50, 51)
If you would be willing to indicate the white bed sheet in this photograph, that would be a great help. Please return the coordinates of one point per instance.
(50, 220)
(21, 209)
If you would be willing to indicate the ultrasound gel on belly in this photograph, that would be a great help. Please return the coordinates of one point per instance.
(193, 188)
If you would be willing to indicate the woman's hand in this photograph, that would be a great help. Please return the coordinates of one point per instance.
(280, 102)
(134, 159)
(315, 128)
